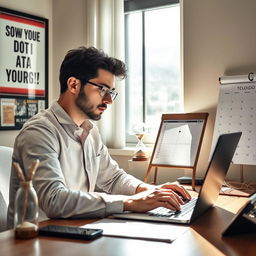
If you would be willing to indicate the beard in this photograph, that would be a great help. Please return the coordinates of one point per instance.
(84, 104)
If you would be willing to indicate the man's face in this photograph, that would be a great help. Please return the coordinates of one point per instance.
(89, 99)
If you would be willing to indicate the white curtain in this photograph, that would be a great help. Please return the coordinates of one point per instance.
(105, 30)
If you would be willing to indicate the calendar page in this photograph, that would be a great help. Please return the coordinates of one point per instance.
(236, 112)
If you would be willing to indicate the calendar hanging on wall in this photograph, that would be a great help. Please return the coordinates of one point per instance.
(236, 111)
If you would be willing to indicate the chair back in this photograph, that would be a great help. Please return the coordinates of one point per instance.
(5, 172)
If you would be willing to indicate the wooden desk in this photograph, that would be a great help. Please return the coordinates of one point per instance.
(202, 238)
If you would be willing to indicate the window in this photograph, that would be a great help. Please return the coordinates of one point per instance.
(152, 55)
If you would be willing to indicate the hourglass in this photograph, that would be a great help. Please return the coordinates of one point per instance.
(139, 131)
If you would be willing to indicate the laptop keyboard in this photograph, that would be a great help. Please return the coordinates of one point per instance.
(164, 212)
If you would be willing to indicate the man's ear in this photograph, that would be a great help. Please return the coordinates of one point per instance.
(73, 85)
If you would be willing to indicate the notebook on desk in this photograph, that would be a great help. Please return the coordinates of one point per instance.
(214, 178)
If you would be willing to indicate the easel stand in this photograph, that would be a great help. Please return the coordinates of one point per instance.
(178, 143)
(193, 169)
(241, 173)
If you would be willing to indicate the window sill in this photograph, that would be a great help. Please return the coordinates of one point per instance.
(127, 151)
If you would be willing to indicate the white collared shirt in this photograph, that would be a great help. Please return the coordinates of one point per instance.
(76, 176)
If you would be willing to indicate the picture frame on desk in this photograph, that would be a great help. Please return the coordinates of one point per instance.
(23, 67)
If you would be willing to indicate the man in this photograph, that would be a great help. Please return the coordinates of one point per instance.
(76, 176)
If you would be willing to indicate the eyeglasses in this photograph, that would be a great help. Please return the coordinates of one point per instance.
(105, 91)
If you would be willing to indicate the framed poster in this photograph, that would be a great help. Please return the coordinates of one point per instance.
(23, 67)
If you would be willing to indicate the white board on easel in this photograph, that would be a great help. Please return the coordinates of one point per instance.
(236, 111)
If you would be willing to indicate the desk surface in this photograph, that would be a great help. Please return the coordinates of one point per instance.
(202, 238)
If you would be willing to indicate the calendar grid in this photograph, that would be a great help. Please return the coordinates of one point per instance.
(236, 111)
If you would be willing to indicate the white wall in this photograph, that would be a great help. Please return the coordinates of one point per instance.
(38, 8)
(69, 23)
(219, 39)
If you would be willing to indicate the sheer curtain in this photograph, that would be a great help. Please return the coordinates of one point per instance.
(105, 30)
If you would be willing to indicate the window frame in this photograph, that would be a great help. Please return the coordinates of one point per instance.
(132, 6)
(138, 5)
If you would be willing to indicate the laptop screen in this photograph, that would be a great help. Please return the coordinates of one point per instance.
(216, 172)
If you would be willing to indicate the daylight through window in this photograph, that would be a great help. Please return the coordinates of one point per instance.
(152, 55)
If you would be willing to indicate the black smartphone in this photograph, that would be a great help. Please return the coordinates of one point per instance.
(70, 232)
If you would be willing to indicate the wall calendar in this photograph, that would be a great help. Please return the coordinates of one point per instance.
(236, 111)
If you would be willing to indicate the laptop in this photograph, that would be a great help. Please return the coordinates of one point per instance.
(214, 178)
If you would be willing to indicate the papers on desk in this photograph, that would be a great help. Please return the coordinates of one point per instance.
(160, 232)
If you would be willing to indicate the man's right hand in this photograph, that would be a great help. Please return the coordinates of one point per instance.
(151, 199)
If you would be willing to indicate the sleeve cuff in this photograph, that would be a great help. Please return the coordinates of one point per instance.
(114, 203)
(129, 186)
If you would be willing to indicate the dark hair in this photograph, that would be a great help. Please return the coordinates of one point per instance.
(83, 63)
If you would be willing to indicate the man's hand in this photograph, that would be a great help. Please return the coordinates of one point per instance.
(166, 195)
(178, 189)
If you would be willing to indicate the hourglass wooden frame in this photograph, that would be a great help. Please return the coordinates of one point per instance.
(186, 117)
